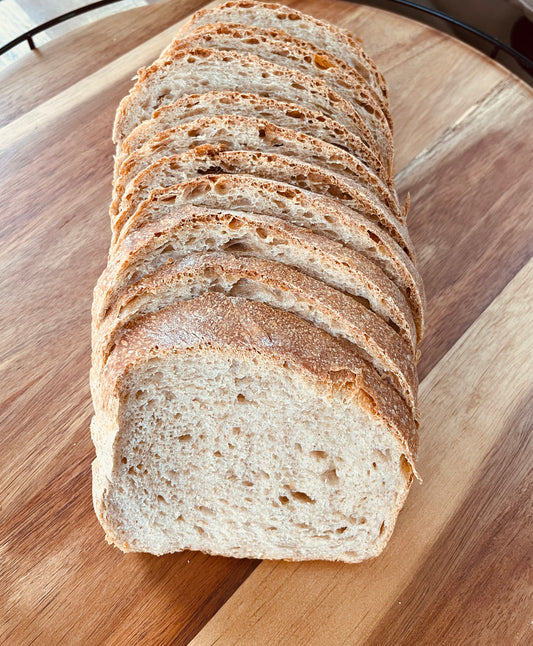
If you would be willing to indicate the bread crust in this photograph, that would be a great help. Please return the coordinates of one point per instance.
(323, 216)
(279, 16)
(287, 115)
(383, 347)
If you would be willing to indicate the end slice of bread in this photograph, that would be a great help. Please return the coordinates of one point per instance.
(229, 427)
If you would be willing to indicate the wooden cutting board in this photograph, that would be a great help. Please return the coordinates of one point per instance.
(458, 569)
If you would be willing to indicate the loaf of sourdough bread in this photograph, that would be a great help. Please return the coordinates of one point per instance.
(255, 333)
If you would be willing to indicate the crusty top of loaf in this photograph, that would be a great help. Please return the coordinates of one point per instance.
(237, 326)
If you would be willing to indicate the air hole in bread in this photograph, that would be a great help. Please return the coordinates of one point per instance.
(194, 192)
(283, 500)
(319, 455)
(301, 496)
(199, 529)
(330, 476)
(236, 246)
(217, 454)
(341, 530)
(234, 224)
(298, 447)
(382, 528)
(185, 438)
(322, 62)
(247, 483)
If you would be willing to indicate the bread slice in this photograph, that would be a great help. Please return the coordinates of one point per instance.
(233, 428)
(317, 32)
(203, 70)
(236, 132)
(281, 49)
(267, 282)
(209, 159)
(199, 230)
(286, 115)
(322, 215)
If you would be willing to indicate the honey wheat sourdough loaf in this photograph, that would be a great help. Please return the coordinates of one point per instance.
(256, 329)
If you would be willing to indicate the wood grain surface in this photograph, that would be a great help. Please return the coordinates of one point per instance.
(459, 567)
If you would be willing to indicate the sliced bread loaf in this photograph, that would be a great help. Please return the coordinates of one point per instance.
(230, 427)
(321, 34)
(322, 215)
(281, 49)
(203, 70)
(237, 132)
(199, 230)
(286, 115)
(267, 282)
(209, 159)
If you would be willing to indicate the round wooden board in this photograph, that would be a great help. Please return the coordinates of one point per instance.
(458, 568)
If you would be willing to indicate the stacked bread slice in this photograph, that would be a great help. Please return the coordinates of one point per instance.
(255, 331)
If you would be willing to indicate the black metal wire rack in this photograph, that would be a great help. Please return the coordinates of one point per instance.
(497, 45)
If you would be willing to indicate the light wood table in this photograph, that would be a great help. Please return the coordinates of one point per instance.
(458, 569)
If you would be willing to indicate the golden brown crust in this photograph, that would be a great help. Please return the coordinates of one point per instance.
(214, 159)
(362, 327)
(351, 49)
(213, 322)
